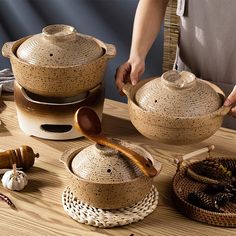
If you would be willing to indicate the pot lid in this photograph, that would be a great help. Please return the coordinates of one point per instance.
(59, 45)
(178, 94)
(101, 164)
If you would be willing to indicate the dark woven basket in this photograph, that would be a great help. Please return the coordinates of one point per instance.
(182, 185)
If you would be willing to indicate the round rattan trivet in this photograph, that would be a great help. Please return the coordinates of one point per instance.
(86, 214)
(182, 185)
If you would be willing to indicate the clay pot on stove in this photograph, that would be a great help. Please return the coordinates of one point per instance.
(102, 177)
(59, 62)
(177, 108)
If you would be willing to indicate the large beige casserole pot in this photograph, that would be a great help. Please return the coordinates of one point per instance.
(59, 62)
(176, 108)
(102, 177)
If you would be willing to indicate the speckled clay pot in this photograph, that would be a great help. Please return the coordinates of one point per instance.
(176, 108)
(53, 118)
(59, 62)
(105, 179)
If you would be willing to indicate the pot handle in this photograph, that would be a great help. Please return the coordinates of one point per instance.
(127, 89)
(67, 155)
(64, 157)
(110, 50)
(180, 160)
(158, 166)
(224, 110)
(7, 49)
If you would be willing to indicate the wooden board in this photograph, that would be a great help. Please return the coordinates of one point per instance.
(39, 209)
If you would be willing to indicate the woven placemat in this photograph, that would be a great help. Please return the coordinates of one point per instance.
(86, 214)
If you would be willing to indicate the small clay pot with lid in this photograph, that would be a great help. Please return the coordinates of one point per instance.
(103, 178)
(176, 108)
(59, 62)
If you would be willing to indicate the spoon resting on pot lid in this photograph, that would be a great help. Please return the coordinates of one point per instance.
(88, 123)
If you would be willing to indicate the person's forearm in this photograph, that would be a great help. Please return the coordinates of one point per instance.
(147, 23)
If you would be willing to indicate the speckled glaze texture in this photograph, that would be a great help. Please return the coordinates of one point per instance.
(36, 113)
(59, 45)
(99, 163)
(106, 184)
(175, 130)
(60, 80)
(178, 94)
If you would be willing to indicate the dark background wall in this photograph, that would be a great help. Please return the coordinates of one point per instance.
(109, 20)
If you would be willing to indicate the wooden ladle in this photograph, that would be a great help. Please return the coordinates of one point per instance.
(88, 123)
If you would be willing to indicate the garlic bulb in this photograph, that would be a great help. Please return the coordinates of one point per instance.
(14, 179)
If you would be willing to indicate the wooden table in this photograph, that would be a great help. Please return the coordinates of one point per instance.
(39, 209)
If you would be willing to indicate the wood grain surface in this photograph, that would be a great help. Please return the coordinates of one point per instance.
(39, 209)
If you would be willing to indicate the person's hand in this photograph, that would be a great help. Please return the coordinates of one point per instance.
(130, 71)
(231, 101)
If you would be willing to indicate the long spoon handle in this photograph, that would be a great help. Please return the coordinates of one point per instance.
(144, 165)
(87, 122)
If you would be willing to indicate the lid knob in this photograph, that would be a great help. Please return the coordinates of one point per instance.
(59, 32)
(178, 80)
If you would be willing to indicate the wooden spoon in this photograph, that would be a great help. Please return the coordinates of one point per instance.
(88, 123)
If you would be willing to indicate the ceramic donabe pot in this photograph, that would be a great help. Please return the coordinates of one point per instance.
(103, 178)
(59, 62)
(176, 109)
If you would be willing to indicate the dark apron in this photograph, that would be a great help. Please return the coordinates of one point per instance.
(207, 43)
